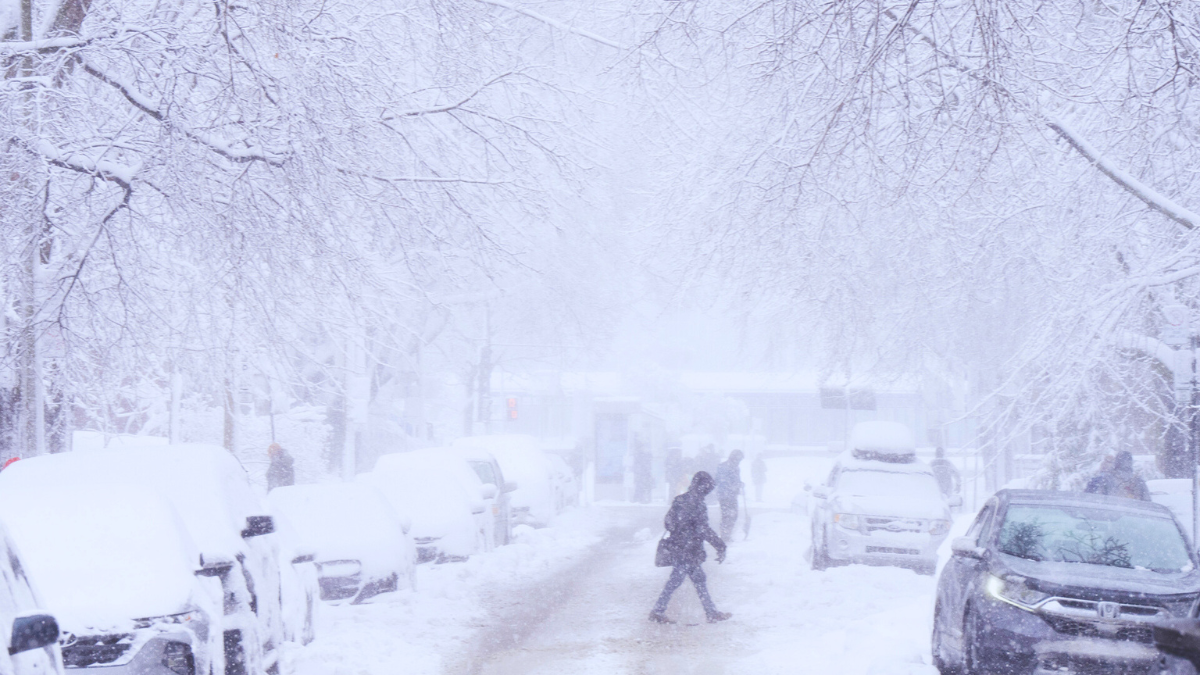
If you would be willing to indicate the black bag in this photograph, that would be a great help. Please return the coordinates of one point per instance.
(666, 555)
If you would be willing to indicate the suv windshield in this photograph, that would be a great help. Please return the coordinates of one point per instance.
(882, 483)
(1093, 536)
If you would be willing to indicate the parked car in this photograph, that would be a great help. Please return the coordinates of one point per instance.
(525, 463)
(442, 497)
(879, 505)
(30, 632)
(118, 569)
(1062, 582)
(360, 546)
(228, 522)
(499, 504)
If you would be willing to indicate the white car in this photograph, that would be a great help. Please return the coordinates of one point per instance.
(360, 546)
(563, 482)
(120, 572)
(228, 522)
(443, 499)
(525, 463)
(879, 504)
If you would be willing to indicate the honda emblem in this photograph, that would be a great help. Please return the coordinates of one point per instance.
(1108, 610)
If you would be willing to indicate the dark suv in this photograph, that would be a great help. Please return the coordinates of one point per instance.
(1050, 582)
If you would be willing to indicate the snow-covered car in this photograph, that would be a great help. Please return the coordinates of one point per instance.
(497, 499)
(360, 546)
(526, 464)
(30, 632)
(119, 570)
(1061, 582)
(563, 482)
(879, 504)
(442, 498)
(228, 522)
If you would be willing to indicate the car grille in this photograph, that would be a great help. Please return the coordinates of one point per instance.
(892, 549)
(92, 650)
(1072, 616)
(893, 524)
(1078, 665)
(1132, 633)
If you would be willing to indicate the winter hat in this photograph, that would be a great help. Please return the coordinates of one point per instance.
(702, 483)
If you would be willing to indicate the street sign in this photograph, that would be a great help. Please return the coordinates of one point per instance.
(1177, 325)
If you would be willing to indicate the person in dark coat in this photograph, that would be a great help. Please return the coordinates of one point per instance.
(946, 474)
(1120, 481)
(729, 486)
(687, 525)
(282, 471)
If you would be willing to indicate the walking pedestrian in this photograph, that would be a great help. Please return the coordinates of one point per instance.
(1120, 480)
(282, 471)
(687, 530)
(946, 474)
(758, 473)
(729, 486)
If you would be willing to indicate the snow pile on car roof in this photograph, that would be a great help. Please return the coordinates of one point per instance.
(883, 441)
(101, 555)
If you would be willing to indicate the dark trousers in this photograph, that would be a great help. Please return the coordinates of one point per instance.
(729, 514)
(678, 573)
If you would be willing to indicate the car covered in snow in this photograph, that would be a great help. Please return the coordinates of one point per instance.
(118, 569)
(30, 632)
(360, 547)
(496, 499)
(442, 497)
(1049, 582)
(524, 462)
(879, 504)
(228, 522)
(563, 482)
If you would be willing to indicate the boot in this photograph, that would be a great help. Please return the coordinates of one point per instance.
(659, 617)
(718, 616)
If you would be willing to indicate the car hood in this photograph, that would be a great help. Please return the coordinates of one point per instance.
(898, 506)
(1049, 576)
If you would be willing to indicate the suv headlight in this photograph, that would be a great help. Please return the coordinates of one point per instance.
(939, 527)
(847, 520)
(1014, 592)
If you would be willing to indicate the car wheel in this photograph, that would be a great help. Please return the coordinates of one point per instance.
(820, 556)
(938, 648)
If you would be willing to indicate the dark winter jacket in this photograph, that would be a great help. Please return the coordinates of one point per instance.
(282, 471)
(729, 481)
(1121, 481)
(687, 523)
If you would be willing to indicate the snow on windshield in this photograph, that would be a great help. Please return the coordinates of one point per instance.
(886, 483)
(1093, 536)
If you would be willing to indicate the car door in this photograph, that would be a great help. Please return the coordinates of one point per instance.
(959, 577)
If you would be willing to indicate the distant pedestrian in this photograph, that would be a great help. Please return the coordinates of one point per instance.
(729, 486)
(643, 475)
(758, 473)
(687, 530)
(1120, 480)
(673, 470)
(282, 471)
(945, 472)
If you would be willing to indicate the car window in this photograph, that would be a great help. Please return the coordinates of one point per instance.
(980, 523)
(887, 483)
(485, 472)
(1094, 536)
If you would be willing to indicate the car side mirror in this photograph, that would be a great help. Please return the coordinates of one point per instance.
(966, 547)
(214, 566)
(488, 491)
(304, 558)
(820, 492)
(510, 486)
(955, 501)
(33, 632)
(256, 526)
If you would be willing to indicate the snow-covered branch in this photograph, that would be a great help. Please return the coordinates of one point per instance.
(555, 23)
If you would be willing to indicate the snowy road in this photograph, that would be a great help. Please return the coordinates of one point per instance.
(574, 598)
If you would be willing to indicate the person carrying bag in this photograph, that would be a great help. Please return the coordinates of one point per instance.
(682, 548)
